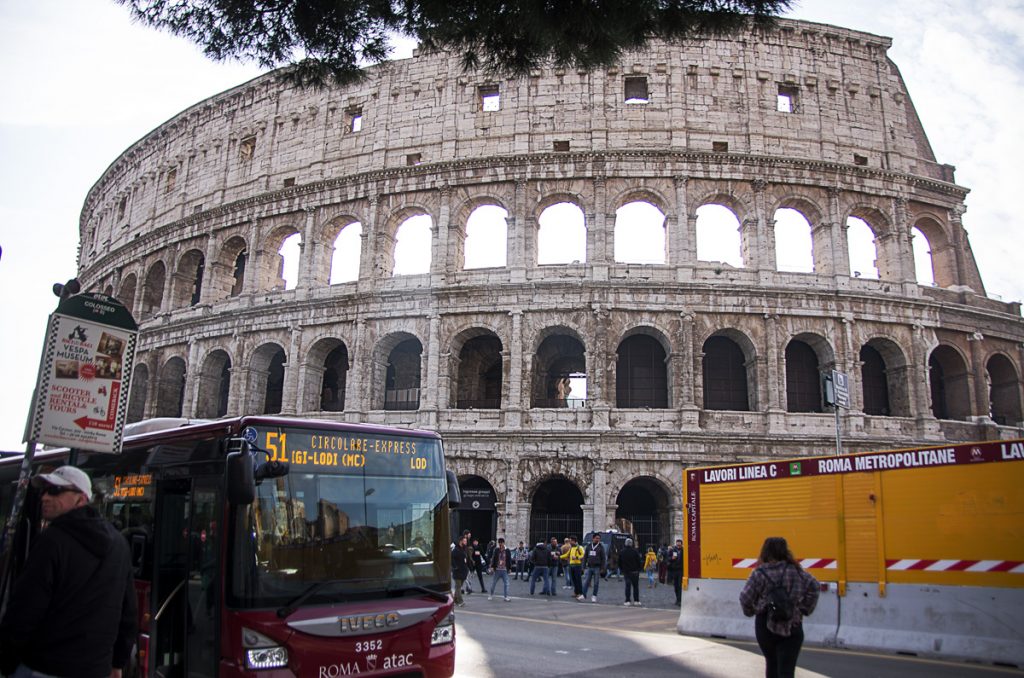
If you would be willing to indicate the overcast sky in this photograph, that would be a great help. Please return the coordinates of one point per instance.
(81, 83)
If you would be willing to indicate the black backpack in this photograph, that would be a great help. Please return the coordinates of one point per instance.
(780, 604)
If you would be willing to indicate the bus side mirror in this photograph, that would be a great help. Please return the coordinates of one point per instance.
(454, 494)
(241, 476)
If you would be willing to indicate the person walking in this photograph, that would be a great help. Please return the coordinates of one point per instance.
(574, 565)
(460, 569)
(521, 553)
(479, 564)
(539, 558)
(563, 563)
(501, 558)
(663, 564)
(554, 550)
(779, 574)
(630, 563)
(468, 548)
(675, 570)
(594, 559)
(72, 610)
(651, 567)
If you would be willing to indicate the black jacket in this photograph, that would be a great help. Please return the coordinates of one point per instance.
(460, 563)
(494, 558)
(594, 555)
(630, 560)
(72, 610)
(675, 559)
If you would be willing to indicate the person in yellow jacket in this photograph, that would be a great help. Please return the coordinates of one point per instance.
(651, 567)
(574, 557)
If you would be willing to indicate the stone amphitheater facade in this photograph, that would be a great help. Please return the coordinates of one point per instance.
(686, 362)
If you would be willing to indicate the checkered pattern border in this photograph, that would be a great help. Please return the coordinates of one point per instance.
(43, 380)
(122, 398)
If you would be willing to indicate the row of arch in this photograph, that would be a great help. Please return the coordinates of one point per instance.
(646, 374)
(643, 505)
(723, 232)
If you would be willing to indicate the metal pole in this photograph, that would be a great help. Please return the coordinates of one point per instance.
(7, 540)
(839, 435)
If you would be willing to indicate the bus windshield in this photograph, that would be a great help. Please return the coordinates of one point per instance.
(357, 515)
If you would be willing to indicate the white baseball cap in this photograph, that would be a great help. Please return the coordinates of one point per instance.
(66, 476)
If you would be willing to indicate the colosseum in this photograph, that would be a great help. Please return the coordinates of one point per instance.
(523, 265)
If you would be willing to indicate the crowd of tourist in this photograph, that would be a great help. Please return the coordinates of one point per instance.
(570, 566)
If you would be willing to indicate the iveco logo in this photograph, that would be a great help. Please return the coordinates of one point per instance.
(367, 622)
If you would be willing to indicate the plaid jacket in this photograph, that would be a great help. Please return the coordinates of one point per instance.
(802, 588)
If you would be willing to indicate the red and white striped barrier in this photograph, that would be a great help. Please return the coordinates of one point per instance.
(910, 564)
(806, 563)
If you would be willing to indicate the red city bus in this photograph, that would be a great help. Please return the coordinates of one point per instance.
(272, 547)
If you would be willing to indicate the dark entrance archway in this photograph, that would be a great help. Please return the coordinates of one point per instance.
(476, 513)
(556, 510)
(645, 504)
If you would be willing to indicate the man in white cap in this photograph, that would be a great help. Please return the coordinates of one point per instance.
(72, 610)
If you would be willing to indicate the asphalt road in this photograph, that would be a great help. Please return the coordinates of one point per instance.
(540, 636)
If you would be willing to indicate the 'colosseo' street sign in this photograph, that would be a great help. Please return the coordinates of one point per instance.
(84, 375)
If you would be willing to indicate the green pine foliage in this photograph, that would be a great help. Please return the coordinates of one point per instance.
(328, 41)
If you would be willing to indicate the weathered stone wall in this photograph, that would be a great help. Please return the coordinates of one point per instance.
(245, 169)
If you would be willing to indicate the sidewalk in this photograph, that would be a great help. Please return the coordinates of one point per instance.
(610, 592)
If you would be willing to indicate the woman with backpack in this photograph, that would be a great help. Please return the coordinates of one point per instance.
(778, 594)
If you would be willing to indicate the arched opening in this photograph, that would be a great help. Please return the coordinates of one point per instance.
(332, 389)
(562, 235)
(171, 388)
(726, 385)
(402, 378)
(875, 382)
(924, 270)
(718, 235)
(639, 234)
(1004, 391)
(556, 510)
(860, 242)
(214, 386)
(560, 373)
(267, 379)
(153, 290)
(885, 379)
(126, 293)
(948, 379)
(803, 378)
(794, 243)
(641, 373)
(487, 237)
(413, 241)
(645, 505)
(477, 512)
(480, 374)
(140, 389)
(187, 287)
(346, 254)
(289, 253)
(275, 384)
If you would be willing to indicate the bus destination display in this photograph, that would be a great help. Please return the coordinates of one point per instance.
(330, 451)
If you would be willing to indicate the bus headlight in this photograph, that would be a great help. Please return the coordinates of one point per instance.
(262, 652)
(444, 632)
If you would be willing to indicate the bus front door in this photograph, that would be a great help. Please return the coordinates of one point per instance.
(184, 638)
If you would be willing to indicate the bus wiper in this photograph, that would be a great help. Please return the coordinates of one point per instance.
(284, 612)
(436, 595)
